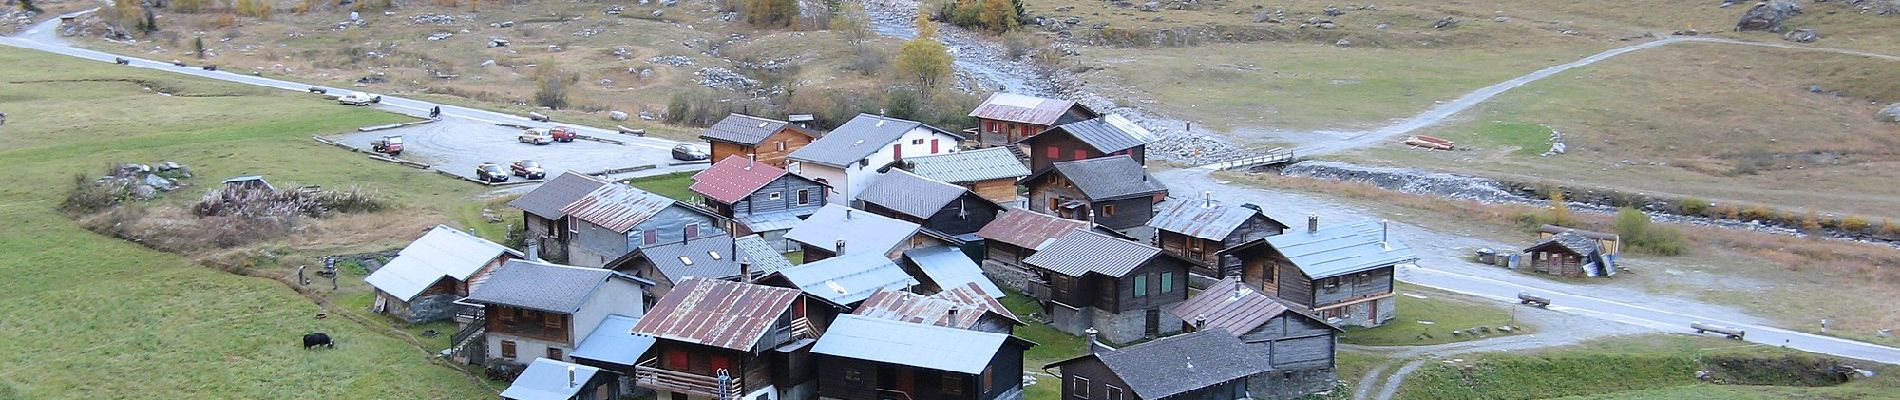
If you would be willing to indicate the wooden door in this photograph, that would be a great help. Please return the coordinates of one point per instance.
(1154, 323)
(907, 381)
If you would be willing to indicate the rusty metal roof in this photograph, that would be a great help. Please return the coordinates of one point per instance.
(734, 178)
(1024, 109)
(1236, 308)
(1203, 218)
(617, 206)
(1028, 229)
(969, 302)
(547, 200)
(718, 313)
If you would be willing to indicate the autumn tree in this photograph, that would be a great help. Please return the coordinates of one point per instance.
(925, 61)
(551, 86)
(1559, 210)
(770, 13)
(998, 15)
(132, 16)
(925, 27)
(853, 24)
(27, 5)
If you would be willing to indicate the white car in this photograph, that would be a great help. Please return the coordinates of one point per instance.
(359, 99)
(535, 136)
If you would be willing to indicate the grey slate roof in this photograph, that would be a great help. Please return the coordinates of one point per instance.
(910, 194)
(705, 257)
(764, 258)
(444, 252)
(745, 129)
(1109, 133)
(969, 165)
(542, 286)
(848, 278)
(547, 200)
(949, 267)
(1083, 251)
(1570, 241)
(613, 341)
(862, 232)
(618, 207)
(1178, 364)
(856, 139)
(546, 379)
(912, 344)
(1108, 178)
(1341, 249)
(1202, 218)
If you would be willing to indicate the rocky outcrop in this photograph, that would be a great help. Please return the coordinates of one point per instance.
(1767, 16)
(1890, 114)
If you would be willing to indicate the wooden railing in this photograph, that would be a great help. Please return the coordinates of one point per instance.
(649, 375)
(802, 329)
(1276, 155)
(887, 394)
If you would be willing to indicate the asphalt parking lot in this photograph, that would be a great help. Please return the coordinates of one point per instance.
(456, 145)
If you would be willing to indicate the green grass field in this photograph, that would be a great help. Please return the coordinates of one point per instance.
(1051, 346)
(672, 185)
(1436, 315)
(86, 316)
(1638, 367)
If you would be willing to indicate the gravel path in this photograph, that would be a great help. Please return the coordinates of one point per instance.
(1553, 329)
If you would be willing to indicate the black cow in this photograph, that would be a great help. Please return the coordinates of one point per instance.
(315, 339)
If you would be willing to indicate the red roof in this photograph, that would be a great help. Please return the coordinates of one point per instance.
(1028, 229)
(734, 178)
(968, 303)
(716, 313)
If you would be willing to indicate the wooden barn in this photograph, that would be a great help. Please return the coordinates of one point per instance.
(759, 198)
(426, 277)
(768, 140)
(1123, 289)
(547, 228)
(947, 209)
(1114, 191)
(1109, 135)
(1569, 254)
(1007, 118)
(617, 219)
(990, 172)
(1017, 233)
(1198, 229)
(868, 358)
(762, 347)
(1204, 365)
(1342, 272)
(1298, 345)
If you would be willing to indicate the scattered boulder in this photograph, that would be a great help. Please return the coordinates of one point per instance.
(1685, 32)
(1343, 43)
(617, 115)
(1150, 6)
(1767, 16)
(497, 42)
(440, 36)
(1332, 11)
(1891, 113)
(1501, 19)
(1446, 23)
(1803, 35)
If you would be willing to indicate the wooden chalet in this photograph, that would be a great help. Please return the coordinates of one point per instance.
(425, 279)
(617, 219)
(851, 157)
(990, 172)
(1119, 287)
(1298, 345)
(1108, 135)
(1017, 233)
(1569, 254)
(715, 257)
(1342, 272)
(743, 136)
(759, 198)
(534, 310)
(836, 229)
(1205, 365)
(867, 358)
(1197, 230)
(549, 229)
(1007, 118)
(947, 209)
(758, 337)
(1114, 191)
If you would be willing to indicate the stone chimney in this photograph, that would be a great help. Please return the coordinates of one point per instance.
(533, 252)
(1312, 223)
(745, 270)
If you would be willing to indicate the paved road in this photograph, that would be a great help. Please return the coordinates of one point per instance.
(45, 37)
(457, 145)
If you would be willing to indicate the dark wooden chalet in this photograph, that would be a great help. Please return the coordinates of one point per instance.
(759, 336)
(1100, 137)
(1299, 346)
(867, 358)
(547, 227)
(1342, 272)
(715, 257)
(1006, 118)
(1610, 244)
(1198, 229)
(534, 309)
(1569, 254)
(1119, 287)
(1196, 366)
(1017, 233)
(836, 229)
(617, 219)
(1114, 191)
(990, 172)
(745, 136)
(951, 210)
(759, 198)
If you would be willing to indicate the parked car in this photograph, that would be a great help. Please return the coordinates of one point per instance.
(210, 67)
(318, 90)
(490, 172)
(528, 169)
(359, 99)
(535, 136)
(121, 61)
(563, 134)
(689, 153)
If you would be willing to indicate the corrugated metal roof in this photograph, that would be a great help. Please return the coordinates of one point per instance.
(613, 341)
(1234, 307)
(857, 139)
(1177, 364)
(1202, 218)
(705, 257)
(546, 379)
(764, 258)
(969, 165)
(973, 295)
(1108, 178)
(734, 178)
(949, 267)
(767, 222)
(1109, 133)
(913, 195)
(970, 305)
(1028, 229)
(1341, 249)
(547, 200)
(862, 231)
(718, 313)
(617, 207)
(1019, 108)
(443, 252)
(542, 286)
(904, 343)
(745, 129)
(1083, 251)
(1569, 241)
(849, 278)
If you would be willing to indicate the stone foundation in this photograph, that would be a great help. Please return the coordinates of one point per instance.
(1126, 327)
(1291, 384)
(1359, 314)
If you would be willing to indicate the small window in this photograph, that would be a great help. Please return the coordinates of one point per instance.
(917, 141)
(676, 360)
(952, 384)
(773, 196)
(988, 382)
(573, 225)
(1054, 154)
(1081, 154)
(1080, 388)
(687, 261)
(1108, 210)
(853, 375)
(1054, 203)
(1141, 285)
(551, 320)
(804, 196)
(781, 145)
(505, 314)
(508, 349)
(1167, 282)
(554, 353)
(1114, 393)
(692, 230)
(650, 237)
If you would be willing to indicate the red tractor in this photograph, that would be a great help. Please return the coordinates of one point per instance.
(391, 145)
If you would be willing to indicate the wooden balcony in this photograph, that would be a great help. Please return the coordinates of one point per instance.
(649, 375)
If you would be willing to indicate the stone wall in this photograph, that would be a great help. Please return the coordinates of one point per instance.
(1291, 384)
(1012, 278)
(1359, 314)
(430, 308)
